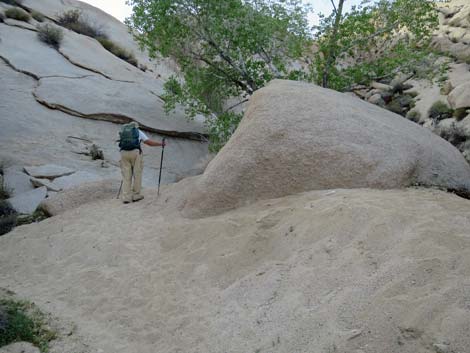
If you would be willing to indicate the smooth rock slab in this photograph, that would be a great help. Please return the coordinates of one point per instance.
(23, 49)
(460, 96)
(88, 52)
(16, 182)
(100, 98)
(49, 171)
(69, 181)
(45, 182)
(19, 347)
(29, 201)
(79, 195)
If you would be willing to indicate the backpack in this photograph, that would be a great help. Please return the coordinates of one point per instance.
(129, 137)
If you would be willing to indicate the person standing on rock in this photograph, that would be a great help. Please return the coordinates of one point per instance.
(132, 163)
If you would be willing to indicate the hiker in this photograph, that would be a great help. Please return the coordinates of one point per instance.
(132, 163)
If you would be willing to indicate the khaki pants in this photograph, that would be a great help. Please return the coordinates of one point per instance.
(132, 164)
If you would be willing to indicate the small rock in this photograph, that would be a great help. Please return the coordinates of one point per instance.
(377, 100)
(28, 202)
(16, 182)
(441, 348)
(45, 182)
(381, 86)
(460, 96)
(19, 347)
(354, 334)
(49, 171)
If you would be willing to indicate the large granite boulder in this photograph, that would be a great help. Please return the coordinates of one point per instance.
(296, 137)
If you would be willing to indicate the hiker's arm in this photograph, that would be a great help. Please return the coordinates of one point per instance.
(154, 143)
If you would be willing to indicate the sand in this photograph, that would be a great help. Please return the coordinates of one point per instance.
(325, 271)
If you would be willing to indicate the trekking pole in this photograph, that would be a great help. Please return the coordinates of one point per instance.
(161, 164)
(119, 192)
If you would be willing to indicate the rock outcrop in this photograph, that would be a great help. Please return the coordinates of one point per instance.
(297, 137)
(57, 103)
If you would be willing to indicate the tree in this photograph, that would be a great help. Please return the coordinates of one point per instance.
(225, 49)
(372, 41)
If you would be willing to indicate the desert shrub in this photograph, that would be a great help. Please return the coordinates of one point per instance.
(50, 35)
(38, 16)
(120, 52)
(414, 115)
(17, 14)
(460, 114)
(96, 153)
(394, 106)
(455, 135)
(439, 110)
(22, 321)
(8, 217)
(74, 20)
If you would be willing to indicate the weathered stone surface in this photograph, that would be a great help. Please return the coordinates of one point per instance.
(19, 347)
(16, 182)
(47, 183)
(49, 171)
(376, 99)
(21, 24)
(24, 127)
(89, 53)
(381, 86)
(460, 96)
(100, 98)
(295, 137)
(28, 202)
(79, 195)
(114, 29)
(27, 53)
(80, 177)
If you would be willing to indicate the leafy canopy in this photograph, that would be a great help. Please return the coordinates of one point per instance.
(225, 49)
(372, 41)
(229, 49)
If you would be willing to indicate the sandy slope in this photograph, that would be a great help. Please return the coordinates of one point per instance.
(325, 271)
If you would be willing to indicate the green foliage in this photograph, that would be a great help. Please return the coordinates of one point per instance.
(120, 52)
(440, 110)
(221, 127)
(50, 35)
(8, 217)
(38, 16)
(22, 321)
(225, 48)
(460, 114)
(75, 21)
(414, 115)
(455, 135)
(378, 39)
(18, 14)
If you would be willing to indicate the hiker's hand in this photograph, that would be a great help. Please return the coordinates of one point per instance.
(163, 143)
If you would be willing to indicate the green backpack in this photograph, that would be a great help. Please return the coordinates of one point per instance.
(129, 137)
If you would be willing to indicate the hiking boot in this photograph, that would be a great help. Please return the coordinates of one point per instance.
(137, 198)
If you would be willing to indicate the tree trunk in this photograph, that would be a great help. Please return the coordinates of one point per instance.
(330, 55)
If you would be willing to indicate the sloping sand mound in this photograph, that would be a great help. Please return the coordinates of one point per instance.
(298, 137)
(324, 271)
